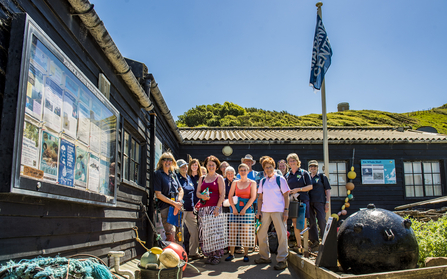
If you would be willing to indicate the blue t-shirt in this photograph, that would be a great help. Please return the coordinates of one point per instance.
(299, 179)
(195, 181)
(189, 192)
(320, 185)
(168, 185)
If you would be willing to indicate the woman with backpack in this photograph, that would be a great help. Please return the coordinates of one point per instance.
(273, 206)
(320, 197)
(300, 183)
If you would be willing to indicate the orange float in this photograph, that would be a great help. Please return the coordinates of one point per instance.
(350, 186)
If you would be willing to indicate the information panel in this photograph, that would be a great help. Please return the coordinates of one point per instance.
(378, 172)
(69, 127)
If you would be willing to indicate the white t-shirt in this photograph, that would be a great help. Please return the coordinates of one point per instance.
(272, 196)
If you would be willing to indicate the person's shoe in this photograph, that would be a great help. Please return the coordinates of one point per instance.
(280, 265)
(246, 259)
(215, 261)
(208, 260)
(263, 261)
(195, 257)
(314, 244)
(229, 258)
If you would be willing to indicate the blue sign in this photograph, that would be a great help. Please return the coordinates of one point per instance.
(66, 163)
(378, 172)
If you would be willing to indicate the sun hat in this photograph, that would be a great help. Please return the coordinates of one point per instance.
(181, 163)
(248, 157)
(312, 163)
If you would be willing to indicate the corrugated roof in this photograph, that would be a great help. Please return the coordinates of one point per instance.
(309, 135)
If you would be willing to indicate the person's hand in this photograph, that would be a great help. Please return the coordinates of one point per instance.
(178, 205)
(235, 211)
(258, 215)
(242, 212)
(175, 211)
(285, 215)
(326, 208)
(205, 197)
(216, 211)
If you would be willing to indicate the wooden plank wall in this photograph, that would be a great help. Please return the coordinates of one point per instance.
(33, 226)
(385, 196)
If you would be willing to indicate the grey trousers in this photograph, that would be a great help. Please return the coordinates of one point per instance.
(281, 231)
(190, 220)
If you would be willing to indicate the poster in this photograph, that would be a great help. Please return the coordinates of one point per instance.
(83, 123)
(378, 172)
(49, 157)
(70, 115)
(81, 167)
(38, 58)
(34, 93)
(66, 163)
(104, 172)
(30, 145)
(53, 105)
(56, 73)
(93, 173)
(158, 151)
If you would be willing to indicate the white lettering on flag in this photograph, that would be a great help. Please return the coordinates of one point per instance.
(321, 55)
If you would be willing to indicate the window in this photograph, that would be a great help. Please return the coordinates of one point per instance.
(337, 177)
(131, 160)
(422, 179)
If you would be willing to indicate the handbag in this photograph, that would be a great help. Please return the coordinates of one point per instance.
(226, 203)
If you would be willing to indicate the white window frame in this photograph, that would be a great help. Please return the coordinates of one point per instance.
(337, 177)
(422, 179)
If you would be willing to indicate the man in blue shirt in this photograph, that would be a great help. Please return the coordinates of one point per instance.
(248, 160)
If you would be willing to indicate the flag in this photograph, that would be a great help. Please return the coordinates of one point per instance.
(321, 55)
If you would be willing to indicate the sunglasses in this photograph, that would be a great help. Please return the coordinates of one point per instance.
(167, 159)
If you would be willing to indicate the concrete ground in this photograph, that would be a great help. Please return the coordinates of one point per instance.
(239, 269)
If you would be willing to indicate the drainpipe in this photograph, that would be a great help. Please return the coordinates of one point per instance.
(91, 20)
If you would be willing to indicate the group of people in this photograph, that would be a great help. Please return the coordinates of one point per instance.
(200, 191)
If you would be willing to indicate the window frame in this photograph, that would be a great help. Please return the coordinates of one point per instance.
(337, 173)
(127, 159)
(423, 181)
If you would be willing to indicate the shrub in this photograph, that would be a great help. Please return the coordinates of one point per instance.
(431, 237)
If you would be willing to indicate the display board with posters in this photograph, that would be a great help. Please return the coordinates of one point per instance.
(68, 136)
(378, 172)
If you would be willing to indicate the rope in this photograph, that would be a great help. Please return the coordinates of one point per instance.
(138, 239)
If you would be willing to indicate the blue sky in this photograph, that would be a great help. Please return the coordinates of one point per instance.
(387, 55)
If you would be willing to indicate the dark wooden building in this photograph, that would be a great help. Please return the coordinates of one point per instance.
(64, 79)
(418, 158)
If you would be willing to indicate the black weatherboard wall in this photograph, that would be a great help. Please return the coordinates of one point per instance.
(306, 142)
(33, 226)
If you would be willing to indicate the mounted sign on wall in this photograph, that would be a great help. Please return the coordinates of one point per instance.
(378, 172)
(65, 127)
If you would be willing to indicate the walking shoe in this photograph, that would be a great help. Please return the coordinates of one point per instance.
(314, 244)
(215, 261)
(280, 265)
(195, 257)
(246, 259)
(263, 261)
(229, 258)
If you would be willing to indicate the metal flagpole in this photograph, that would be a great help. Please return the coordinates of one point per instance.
(325, 139)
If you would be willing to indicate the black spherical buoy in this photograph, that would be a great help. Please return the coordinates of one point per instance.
(376, 240)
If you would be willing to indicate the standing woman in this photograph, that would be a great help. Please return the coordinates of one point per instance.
(229, 179)
(212, 205)
(222, 168)
(189, 219)
(195, 173)
(245, 190)
(282, 166)
(299, 182)
(273, 203)
(168, 191)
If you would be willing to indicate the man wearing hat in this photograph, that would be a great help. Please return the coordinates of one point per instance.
(248, 160)
(320, 197)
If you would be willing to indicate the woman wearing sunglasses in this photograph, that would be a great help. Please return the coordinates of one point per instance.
(168, 191)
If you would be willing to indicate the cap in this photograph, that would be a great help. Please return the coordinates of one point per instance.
(181, 163)
(312, 163)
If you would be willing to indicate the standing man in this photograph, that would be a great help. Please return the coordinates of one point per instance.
(248, 160)
(320, 197)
